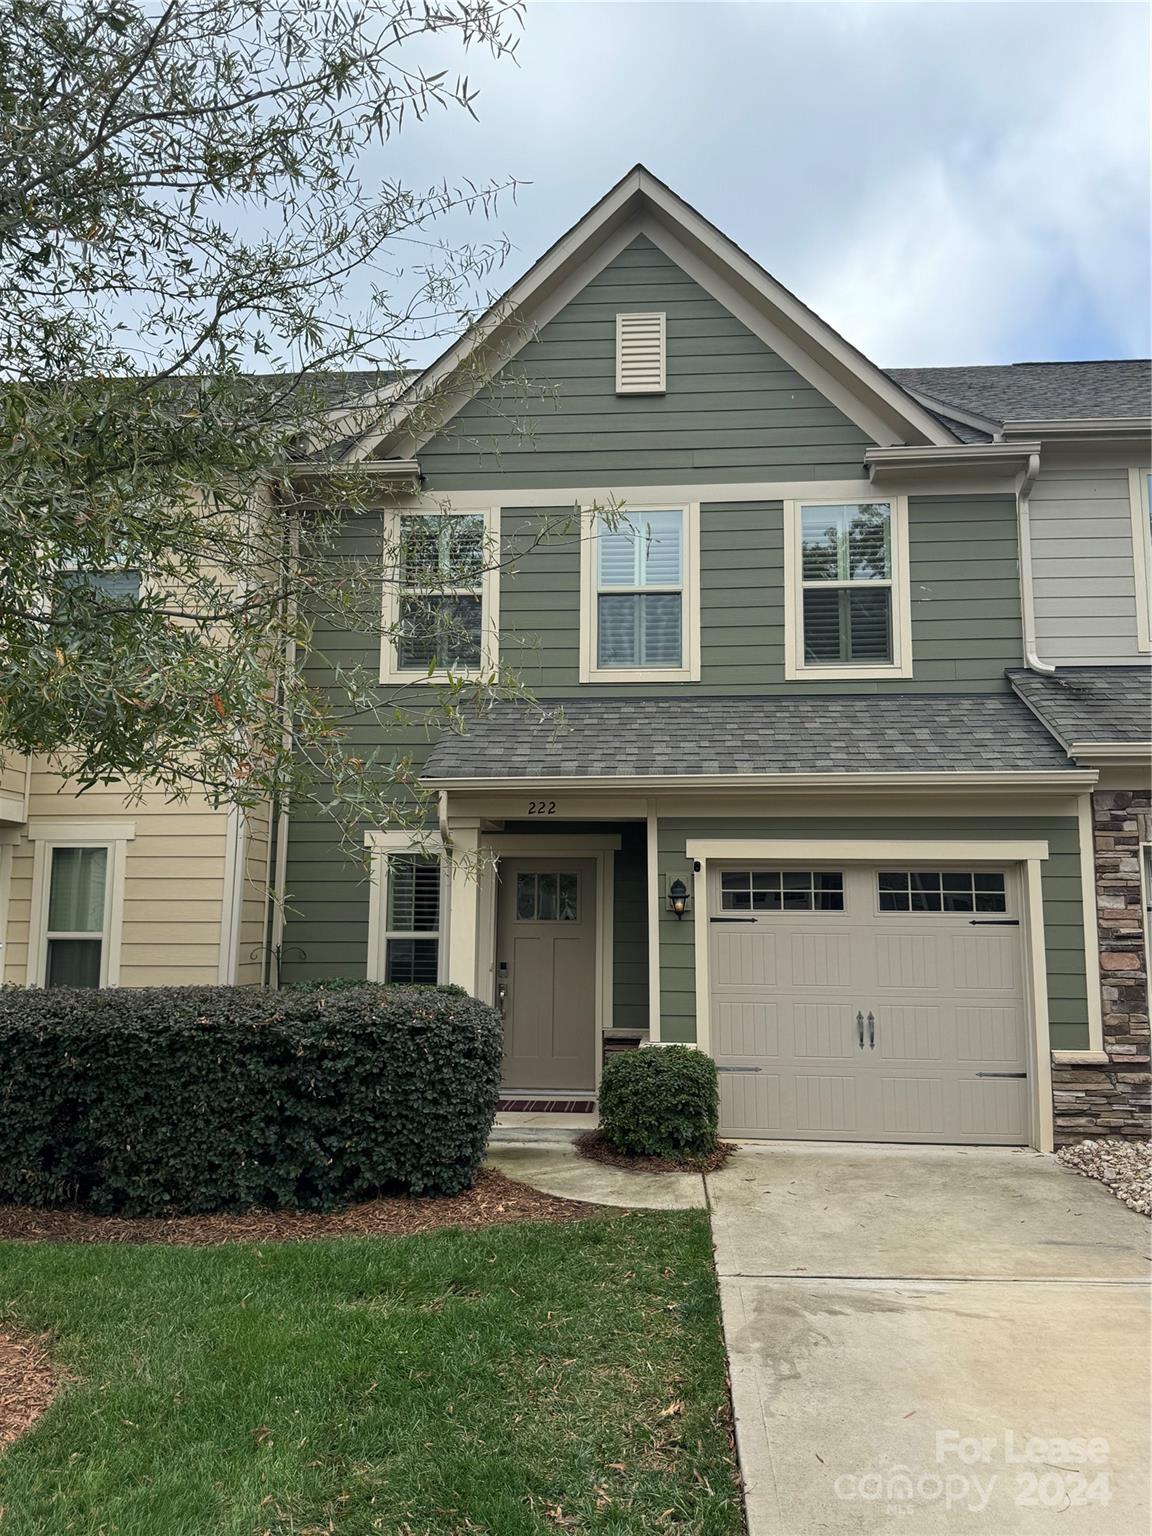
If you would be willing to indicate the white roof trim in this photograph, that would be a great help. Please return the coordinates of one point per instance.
(894, 416)
(683, 783)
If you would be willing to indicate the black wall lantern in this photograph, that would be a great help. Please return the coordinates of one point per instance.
(678, 898)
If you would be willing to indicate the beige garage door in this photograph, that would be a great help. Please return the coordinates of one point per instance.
(869, 1003)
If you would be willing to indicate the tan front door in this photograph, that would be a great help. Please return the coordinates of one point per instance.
(546, 973)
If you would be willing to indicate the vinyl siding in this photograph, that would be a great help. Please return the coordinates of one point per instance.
(173, 882)
(12, 786)
(965, 600)
(733, 410)
(1063, 913)
(1084, 583)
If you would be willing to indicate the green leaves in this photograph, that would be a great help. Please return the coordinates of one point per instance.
(154, 1101)
(662, 1101)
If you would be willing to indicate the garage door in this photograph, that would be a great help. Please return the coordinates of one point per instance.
(869, 1003)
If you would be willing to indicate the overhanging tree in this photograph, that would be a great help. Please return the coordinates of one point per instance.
(187, 198)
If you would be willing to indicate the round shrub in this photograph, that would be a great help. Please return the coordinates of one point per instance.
(661, 1101)
(156, 1101)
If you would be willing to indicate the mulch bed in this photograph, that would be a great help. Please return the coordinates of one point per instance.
(592, 1145)
(493, 1201)
(28, 1383)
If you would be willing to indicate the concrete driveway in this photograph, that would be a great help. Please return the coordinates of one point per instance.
(933, 1340)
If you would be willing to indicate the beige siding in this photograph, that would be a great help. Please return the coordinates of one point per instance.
(173, 882)
(1083, 569)
(13, 779)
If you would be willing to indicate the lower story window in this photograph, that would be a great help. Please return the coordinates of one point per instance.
(77, 904)
(412, 935)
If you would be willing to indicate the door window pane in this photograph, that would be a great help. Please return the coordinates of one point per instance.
(547, 898)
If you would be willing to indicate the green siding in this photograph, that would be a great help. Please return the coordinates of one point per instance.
(1063, 914)
(733, 410)
(965, 601)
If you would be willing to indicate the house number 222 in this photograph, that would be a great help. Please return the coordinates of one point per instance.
(541, 807)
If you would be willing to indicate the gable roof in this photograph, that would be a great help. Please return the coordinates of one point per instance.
(852, 735)
(1088, 391)
(1083, 706)
(642, 204)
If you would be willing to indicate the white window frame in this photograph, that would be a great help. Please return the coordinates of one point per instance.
(689, 669)
(1141, 553)
(795, 666)
(390, 668)
(49, 835)
(383, 847)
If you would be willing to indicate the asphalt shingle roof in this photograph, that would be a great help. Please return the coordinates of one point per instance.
(622, 738)
(1086, 704)
(1040, 391)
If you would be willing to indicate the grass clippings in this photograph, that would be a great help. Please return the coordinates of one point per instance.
(1124, 1167)
(28, 1383)
(493, 1201)
(515, 1381)
(591, 1144)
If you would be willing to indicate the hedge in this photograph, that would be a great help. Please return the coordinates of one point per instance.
(661, 1101)
(156, 1101)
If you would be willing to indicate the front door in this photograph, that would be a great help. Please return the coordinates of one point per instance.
(546, 973)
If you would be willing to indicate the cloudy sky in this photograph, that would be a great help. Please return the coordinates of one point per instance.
(944, 183)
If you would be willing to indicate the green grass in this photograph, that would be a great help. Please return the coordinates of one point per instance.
(509, 1381)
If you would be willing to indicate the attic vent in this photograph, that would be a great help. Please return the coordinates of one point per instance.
(640, 354)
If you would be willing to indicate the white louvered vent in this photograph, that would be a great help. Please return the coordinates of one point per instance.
(640, 354)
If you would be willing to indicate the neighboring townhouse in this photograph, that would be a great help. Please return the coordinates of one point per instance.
(794, 795)
(106, 889)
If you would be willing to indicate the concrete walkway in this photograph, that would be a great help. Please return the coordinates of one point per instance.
(558, 1169)
(917, 1336)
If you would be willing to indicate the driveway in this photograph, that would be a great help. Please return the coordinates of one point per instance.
(919, 1337)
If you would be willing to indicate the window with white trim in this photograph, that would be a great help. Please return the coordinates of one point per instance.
(77, 916)
(639, 596)
(406, 911)
(439, 595)
(781, 890)
(847, 590)
(935, 890)
(412, 934)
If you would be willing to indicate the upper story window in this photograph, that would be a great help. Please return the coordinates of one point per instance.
(440, 593)
(639, 596)
(846, 590)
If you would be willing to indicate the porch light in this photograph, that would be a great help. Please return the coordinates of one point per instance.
(678, 898)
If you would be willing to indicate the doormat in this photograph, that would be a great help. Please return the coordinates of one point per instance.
(547, 1106)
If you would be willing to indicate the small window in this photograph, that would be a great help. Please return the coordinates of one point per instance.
(412, 935)
(940, 891)
(640, 592)
(776, 890)
(77, 906)
(640, 354)
(547, 898)
(441, 604)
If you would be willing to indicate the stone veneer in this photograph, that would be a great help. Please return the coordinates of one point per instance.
(1110, 1096)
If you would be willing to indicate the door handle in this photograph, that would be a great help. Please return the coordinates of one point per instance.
(501, 997)
(871, 1032)
(860, 1030)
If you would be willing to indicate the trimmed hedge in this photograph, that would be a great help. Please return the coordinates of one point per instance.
(661, 1101)
(156, 1101)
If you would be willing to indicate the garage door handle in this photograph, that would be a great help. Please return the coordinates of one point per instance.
(860, 1030)
(871, 1033)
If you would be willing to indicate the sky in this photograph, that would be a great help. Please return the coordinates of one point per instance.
(943, 183)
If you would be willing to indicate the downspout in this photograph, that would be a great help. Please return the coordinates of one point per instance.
(1027, 612)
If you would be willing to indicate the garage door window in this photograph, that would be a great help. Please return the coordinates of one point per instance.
(781, 890)
(941, 891)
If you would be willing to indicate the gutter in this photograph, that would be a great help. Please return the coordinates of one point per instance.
(1024, 525)
(1058, 779)
(952, 456)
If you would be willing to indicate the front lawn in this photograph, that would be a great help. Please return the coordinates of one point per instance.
(536, 1378)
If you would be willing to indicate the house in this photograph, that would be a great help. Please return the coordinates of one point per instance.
(838, 767)
(797, 791)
